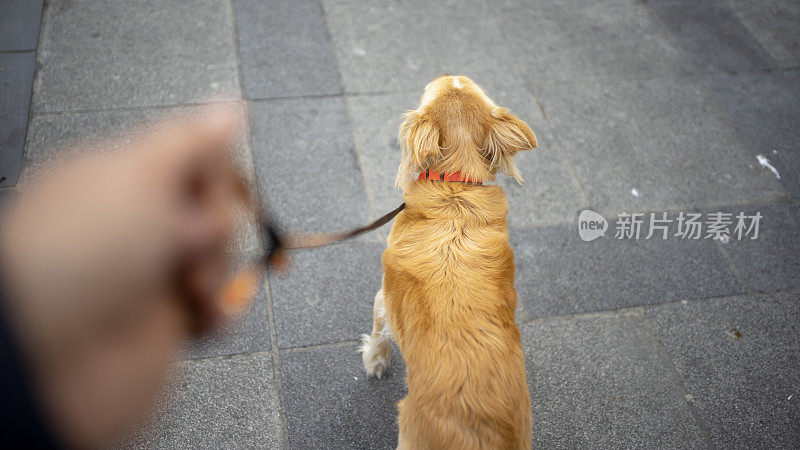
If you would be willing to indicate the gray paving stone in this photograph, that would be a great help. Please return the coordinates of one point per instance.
(120, 54)
(558, 273)
(711, 34)
(766, 110)
(331, 404)
(218, 403)
(19, 24)
(52, 138)
(550, 195)
(371, 42)
(772, 261)
(598, 382)
(328, 294)
(746, 390)
(575, 39)
(669, 138)
(306, 164)
(793, 77)
(16, 80)
(248, 333)
(774, 23)
(376, 119)
(285, 49)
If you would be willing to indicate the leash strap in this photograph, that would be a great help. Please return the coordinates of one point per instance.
(278, 241)
(237, 294)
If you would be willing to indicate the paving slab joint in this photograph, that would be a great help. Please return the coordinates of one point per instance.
(756, 41)
(373, 212)
(36, 68)
(560, 149)
(666, 359)
(556, 144)
(301, 348)
(235, 28)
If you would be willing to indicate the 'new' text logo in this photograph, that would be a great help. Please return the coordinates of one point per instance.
(591, 225)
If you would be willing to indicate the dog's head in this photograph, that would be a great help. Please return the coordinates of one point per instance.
(457, 127)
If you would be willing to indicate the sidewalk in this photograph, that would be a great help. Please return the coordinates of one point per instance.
(639, 107)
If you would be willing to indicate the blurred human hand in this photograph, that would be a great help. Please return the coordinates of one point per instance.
(111, 261)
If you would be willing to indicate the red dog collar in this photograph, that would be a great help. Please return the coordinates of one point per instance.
(430, 175)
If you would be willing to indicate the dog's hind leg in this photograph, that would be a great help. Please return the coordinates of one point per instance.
(376, 348)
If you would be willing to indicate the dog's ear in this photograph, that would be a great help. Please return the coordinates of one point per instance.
(506, 136)
(419, 138)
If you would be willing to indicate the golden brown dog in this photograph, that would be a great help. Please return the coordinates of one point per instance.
(448, 293)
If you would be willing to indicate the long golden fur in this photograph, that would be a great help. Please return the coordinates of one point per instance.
(448, 293)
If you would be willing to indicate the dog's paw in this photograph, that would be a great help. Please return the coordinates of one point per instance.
(375, 353)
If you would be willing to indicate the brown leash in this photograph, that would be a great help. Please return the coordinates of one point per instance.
(238, 292)
(277, 241)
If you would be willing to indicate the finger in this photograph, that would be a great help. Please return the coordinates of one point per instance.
(191, 290)
(204, 262)
(208, 228)
(205, 216)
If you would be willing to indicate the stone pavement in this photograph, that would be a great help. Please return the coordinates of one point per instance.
(639, 106)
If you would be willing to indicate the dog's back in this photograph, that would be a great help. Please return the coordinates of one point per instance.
(450, 301)
(448, 289)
